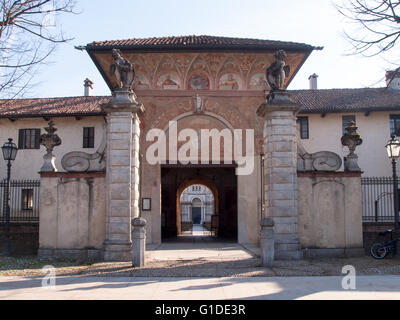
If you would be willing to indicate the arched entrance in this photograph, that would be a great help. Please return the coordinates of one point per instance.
(219, 179)
(197, 208)
(196, 203)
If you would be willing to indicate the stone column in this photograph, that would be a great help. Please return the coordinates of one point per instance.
(280, 148)
(122, 175)
(138, 242)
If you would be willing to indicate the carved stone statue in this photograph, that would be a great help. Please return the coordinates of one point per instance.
(198, 104)
(49, 140)
(123, 70)
(78, 161)
(351, 139)
(277, 71)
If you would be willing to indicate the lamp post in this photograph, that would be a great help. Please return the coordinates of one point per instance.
(9, 153)
(393, 151)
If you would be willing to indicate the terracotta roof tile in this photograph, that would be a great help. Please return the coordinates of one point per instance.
(312, 101)
(197, 42)
(66, 106)
(347, 100)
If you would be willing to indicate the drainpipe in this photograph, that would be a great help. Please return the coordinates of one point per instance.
(262, 157)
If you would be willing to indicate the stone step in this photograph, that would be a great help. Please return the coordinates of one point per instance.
(287, 246)
(289, 255)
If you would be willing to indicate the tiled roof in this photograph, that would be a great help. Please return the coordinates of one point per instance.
(67, 106)
(312, 101)
(347, 100)
(197, 42)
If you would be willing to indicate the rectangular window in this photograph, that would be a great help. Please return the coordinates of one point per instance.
(303, 127)
(345, 122)
(88, 137)
(27, 199)
(395, 124)
(29, 139)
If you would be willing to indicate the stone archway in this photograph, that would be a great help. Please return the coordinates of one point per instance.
(187, 183)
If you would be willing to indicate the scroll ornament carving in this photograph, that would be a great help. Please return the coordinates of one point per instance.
(78, 161)
(318, 161)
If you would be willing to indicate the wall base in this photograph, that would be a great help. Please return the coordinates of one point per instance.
(333, 253)
(289, 255)
(117, 252)
(75, 254)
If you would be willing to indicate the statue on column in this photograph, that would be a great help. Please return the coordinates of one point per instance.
(123, 71)
(277, 72)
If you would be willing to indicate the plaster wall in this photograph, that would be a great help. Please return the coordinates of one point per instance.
(330, 214)
(29, 161)
(72, 212)
(325, 133)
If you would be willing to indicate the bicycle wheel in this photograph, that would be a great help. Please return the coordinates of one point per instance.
(379, 250)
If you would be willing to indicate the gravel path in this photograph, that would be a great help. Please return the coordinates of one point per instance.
(201, 267)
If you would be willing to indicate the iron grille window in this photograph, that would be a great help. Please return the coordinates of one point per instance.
(303, 127)
(27, 199)
(29, 139)
(395, 124)
(345, 122)
(88, 137)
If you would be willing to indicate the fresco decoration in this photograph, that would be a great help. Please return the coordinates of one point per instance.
(141, 82)
(214, 62)
(198, 71)
(245, 62)
(198, 81)
(168, 81)
(229, 81)
(258, 82)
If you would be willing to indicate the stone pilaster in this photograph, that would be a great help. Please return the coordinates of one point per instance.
(280, 173)
(135, 173)
(122, 175)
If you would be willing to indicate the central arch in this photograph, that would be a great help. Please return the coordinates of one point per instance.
(187, 183)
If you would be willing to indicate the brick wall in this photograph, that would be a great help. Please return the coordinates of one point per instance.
(24, 238)
(371, 231)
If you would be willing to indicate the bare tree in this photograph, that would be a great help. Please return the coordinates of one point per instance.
(28, 35)
(378, 22)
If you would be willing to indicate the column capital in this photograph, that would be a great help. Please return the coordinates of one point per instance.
(122, 107)
(139, 222)
(123, 101)
(277, 101)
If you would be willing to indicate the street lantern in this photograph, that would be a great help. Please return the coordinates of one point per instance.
(9, 154)
(393, 147)
(393, 151)
(9, 150)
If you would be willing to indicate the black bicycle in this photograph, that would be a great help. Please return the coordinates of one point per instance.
(380, 249)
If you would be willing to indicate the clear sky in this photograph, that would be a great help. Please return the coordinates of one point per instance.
(315, 22)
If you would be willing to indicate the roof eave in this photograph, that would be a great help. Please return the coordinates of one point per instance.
(52, 115)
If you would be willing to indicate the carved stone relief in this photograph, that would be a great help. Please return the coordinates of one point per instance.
(78, 161)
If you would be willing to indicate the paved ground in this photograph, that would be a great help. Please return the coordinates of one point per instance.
(200, 256)
(93, 288)
(198, 267)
